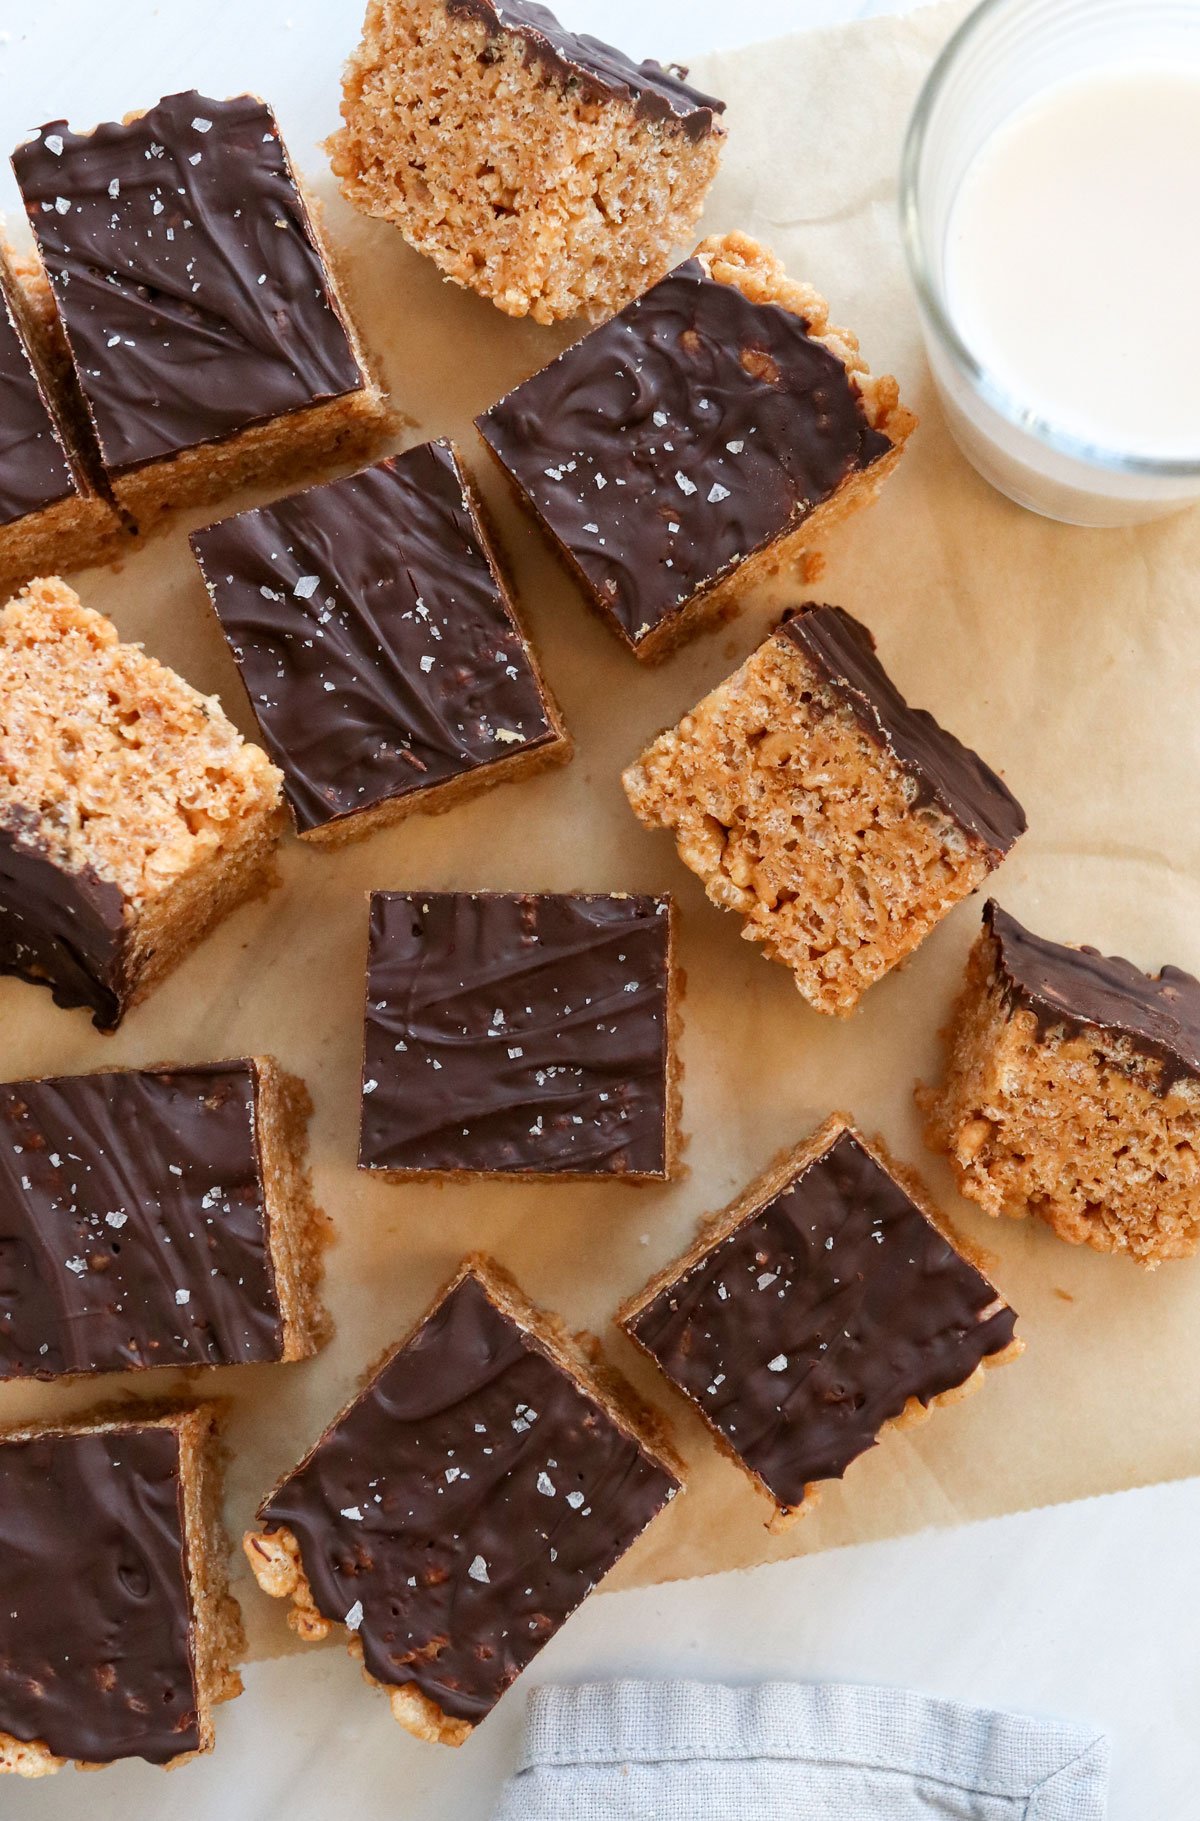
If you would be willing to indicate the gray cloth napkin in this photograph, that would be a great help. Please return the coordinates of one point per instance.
(784, 1751)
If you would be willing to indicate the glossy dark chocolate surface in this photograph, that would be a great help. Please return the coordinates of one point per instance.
(516, 1033)
(467, 1502)
(690, 431)
(34, 469)
(813, 1323)
(133, 1223)
(372, 635)
(1076, 989)
(599, 69)
(185, 270)
(58, 928)
(945, 771)
(95, 1607)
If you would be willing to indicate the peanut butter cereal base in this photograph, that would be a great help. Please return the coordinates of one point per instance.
(1069, 659)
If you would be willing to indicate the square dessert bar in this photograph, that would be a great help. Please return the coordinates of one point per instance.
(157, 1218)
(698, 442)
(54, 509)
(825, 1306)
(133, 816)
(808, 796)
(543, 169)
(520, 1034)
(379, 645)
(1072, 1093)
(209, 340)
(463, 1505)
(118, 1634)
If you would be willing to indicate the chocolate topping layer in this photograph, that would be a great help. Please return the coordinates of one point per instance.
(373, 636)
(58, 928)
(186, 273)
(812, 1324)
(34, 468)
(1079, 989)
(516, 1033)
(95, 1620)
(465, 1504)
(690, 431)
(599, 69)
(944, 770)
(133, 1223)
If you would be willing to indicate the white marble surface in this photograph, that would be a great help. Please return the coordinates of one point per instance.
(1085, 1611)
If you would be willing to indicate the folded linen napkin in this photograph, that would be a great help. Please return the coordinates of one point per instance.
(783, 1751)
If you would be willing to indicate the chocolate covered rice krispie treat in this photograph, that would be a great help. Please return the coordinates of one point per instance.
(1072, 1093)
(827, 1305)
(209, 340)
(55, 512)
(521, 1034)
(462, 1506)
(118, 1635)
(379, 645)
(539, 167)
(703, 439)
(157, 1218)
(809, 797)
(133, 816)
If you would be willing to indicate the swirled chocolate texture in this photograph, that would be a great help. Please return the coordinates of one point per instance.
(673, 442)
(186, 273)
(1074, 990)
(517, 1034)
(945, 772)
(808, 1327)
(600, 70)
(373, 636)
(59, 927)
(465, 1504)
(133, 1223)
(35, 471)
(95, 1607)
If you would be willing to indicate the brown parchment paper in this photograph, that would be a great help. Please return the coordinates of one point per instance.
(1070, 658)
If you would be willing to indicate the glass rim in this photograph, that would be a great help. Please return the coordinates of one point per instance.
(929, 292)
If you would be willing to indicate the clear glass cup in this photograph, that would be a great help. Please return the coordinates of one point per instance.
(1007, 53)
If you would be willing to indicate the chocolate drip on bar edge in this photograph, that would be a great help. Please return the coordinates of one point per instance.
(133, 1223)
(59, 928)
(465, 1504)
(34, 469)
(1077, 989)
(811, 1325)
(657, 93)
(945, 771)
(95, 1626)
